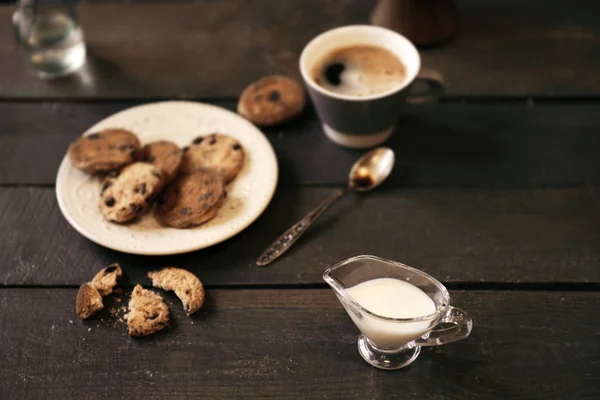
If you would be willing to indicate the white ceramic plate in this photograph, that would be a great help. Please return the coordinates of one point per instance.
(179, 121)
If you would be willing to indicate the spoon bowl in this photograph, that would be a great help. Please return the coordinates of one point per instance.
(371, 170)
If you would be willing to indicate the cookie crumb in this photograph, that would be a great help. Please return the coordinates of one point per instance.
(71, 321)
(89, 329)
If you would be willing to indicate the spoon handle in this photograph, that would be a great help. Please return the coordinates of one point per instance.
(289, 237)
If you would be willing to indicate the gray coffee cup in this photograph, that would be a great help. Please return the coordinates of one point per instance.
(365, 121)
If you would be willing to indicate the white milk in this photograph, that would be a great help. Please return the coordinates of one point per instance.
(392, 298)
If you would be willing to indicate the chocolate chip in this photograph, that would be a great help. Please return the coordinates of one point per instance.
(141, 189)
(149, 158)
(212, 141)
(198, 140)
(106, 185)
(113, 174)
(274, 96)
(110, 202)
(186, 211)
(94, 136)
(206, 196)
(187, 291)
(185, 149)
(156, 174)
(236, 146)
(153, 317)
(110, 269)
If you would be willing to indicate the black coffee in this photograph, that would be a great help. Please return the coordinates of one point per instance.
(360, 70)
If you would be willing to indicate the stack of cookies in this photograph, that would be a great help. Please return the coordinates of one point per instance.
(189, 183)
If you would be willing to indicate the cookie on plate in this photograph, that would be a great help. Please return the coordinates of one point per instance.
(148, 313)
(128, 195)
(165, 155)
(186, 286)
(221, 153)
(88, 301)
(106, 279)
(192, 199)
(272, 100)
(104, 151)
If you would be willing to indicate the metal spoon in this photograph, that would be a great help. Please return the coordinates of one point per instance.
(366, 174)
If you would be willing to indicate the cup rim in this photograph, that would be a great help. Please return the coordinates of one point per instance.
(340, 290)
(310, 81)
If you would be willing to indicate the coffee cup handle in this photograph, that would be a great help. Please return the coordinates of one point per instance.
(434, 87)
(455, 326)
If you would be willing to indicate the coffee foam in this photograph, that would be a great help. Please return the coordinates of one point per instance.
(359, 71)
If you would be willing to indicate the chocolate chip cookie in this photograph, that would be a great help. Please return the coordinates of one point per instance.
(148, 313)
(125, 197)
(164, 155)
(104, 151)
(186, 285)
(88, 301)
(106, 279)
(192, 199)
(272, 100)
(221, 153)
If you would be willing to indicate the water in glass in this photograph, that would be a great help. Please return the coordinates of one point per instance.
(50, 36)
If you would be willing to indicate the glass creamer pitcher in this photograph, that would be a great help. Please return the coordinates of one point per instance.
(389, 342)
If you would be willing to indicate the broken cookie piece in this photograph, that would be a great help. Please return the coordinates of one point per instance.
(148, 313)
(88, 302)
(106, 279)
(186, 286)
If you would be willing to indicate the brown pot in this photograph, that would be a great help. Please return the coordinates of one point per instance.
(424, 22)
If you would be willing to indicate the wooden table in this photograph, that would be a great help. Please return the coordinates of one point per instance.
(495, 193)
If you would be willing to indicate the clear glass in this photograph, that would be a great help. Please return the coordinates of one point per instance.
(393, 343)
(50, 36)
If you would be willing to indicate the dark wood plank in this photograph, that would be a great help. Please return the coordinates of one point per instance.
(296, 344)
(215, 48)
(458, 235)
(442, 145)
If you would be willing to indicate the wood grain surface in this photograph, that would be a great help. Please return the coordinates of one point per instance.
(438, 145)
(295, 344)
(496, 187)
(458, 235)
(507, 48)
